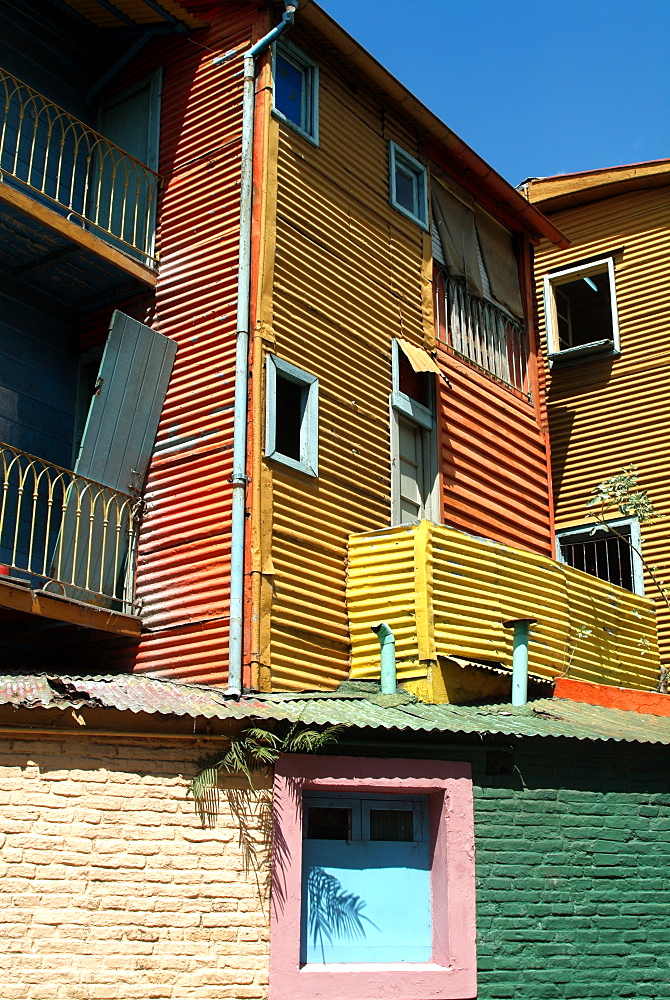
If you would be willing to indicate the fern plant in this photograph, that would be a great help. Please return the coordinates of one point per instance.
(252, 749)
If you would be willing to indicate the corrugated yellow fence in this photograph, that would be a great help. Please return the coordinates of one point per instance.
(445, 593)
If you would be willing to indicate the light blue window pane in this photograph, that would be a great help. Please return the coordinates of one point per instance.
(366, 902)
(405, 190)
(289, 91)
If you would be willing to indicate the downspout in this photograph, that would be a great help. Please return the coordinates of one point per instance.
(521, 628)
(239, 476)
(386, 638)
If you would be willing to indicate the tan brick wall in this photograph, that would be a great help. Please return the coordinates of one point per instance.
(112, 888)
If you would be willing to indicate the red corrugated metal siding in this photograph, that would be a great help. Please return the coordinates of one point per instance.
(184, 551)
(494, 473)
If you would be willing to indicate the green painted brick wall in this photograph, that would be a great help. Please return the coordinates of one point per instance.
(573, 872)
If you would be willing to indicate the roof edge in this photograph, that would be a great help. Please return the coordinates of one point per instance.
(503, 193)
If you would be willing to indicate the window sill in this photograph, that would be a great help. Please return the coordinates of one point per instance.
(584, 352)
(311, 139)
(292, 463)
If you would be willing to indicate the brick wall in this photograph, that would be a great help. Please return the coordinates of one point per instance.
(573, 872)
(111, 887)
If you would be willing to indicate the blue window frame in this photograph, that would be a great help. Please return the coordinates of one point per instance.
(296, 90)
(291, 416)
(366, 879)
(408, 185)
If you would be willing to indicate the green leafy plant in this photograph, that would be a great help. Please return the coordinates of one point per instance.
(622, 493)
(252, 749)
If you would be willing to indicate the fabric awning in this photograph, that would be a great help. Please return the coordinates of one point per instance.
(419, 359)
(455, 224)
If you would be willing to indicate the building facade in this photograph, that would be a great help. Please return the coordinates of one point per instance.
(602, 315)
(271, 392)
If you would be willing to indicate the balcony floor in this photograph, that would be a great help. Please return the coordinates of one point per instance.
(59, 257)
(25, 611)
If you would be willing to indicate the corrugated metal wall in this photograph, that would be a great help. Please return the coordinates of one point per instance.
(608, 413)
(350, 274)
(184, 552)
(445, 593)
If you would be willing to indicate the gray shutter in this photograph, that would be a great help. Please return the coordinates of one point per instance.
(123, 418)
(92, 558)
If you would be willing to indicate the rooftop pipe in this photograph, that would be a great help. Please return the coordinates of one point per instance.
(521, 628)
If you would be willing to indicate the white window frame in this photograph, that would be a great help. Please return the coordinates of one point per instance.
(308, 126)
(309, 426)
(401, 405)
(552, 282)
(584, 532)
(399, 158)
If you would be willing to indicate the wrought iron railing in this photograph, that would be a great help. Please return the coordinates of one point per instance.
(66, 534)
(75, 170)
(482, 331)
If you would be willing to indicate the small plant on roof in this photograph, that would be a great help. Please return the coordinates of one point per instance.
(251, 750)
(621, 492)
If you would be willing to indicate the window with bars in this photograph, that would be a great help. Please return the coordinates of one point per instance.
(608, 553)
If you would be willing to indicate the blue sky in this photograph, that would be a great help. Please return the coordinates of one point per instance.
(536, 87)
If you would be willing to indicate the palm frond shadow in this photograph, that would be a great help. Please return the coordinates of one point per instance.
(333, 913)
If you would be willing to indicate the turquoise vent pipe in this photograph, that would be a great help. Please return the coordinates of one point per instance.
(386, 638)
(521, 628)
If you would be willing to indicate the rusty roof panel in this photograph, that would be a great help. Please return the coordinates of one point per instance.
(140, 693)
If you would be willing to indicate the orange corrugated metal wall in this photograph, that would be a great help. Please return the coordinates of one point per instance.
(184, 550)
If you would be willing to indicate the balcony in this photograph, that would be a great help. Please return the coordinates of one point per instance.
(68, 191)
(481, 331)
(67, 545)
(446, 594)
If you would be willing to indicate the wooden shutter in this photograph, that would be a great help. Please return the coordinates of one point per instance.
(124, 413)
(91, 557)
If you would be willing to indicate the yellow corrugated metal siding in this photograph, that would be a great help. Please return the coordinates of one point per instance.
(605, 414)
(472, 586)
(347, 278)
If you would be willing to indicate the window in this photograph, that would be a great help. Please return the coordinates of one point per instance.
(605, 554)
(292, 415)
(408, 186)
(414, 481)
(581, 310)
(373, 880)
(296, 90)
(478, 306)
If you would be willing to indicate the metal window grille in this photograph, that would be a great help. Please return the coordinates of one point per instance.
(603, 555)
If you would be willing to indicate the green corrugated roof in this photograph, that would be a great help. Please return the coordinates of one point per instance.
(356, 706)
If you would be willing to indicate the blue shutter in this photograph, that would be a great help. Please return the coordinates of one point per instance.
(91, 555)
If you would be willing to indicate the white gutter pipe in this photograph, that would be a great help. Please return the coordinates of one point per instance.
(239, 476)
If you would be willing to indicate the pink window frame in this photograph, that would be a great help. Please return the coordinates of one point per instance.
(452, 974)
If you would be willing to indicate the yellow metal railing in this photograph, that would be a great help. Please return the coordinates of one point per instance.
(75, 170)
(446, 594)
(66, 534)
(482, 331)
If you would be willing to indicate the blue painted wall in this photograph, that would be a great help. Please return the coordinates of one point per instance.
(38, 379)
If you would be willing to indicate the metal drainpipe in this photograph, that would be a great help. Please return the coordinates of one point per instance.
(386, 638)
(239, 476)
(521, 628)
